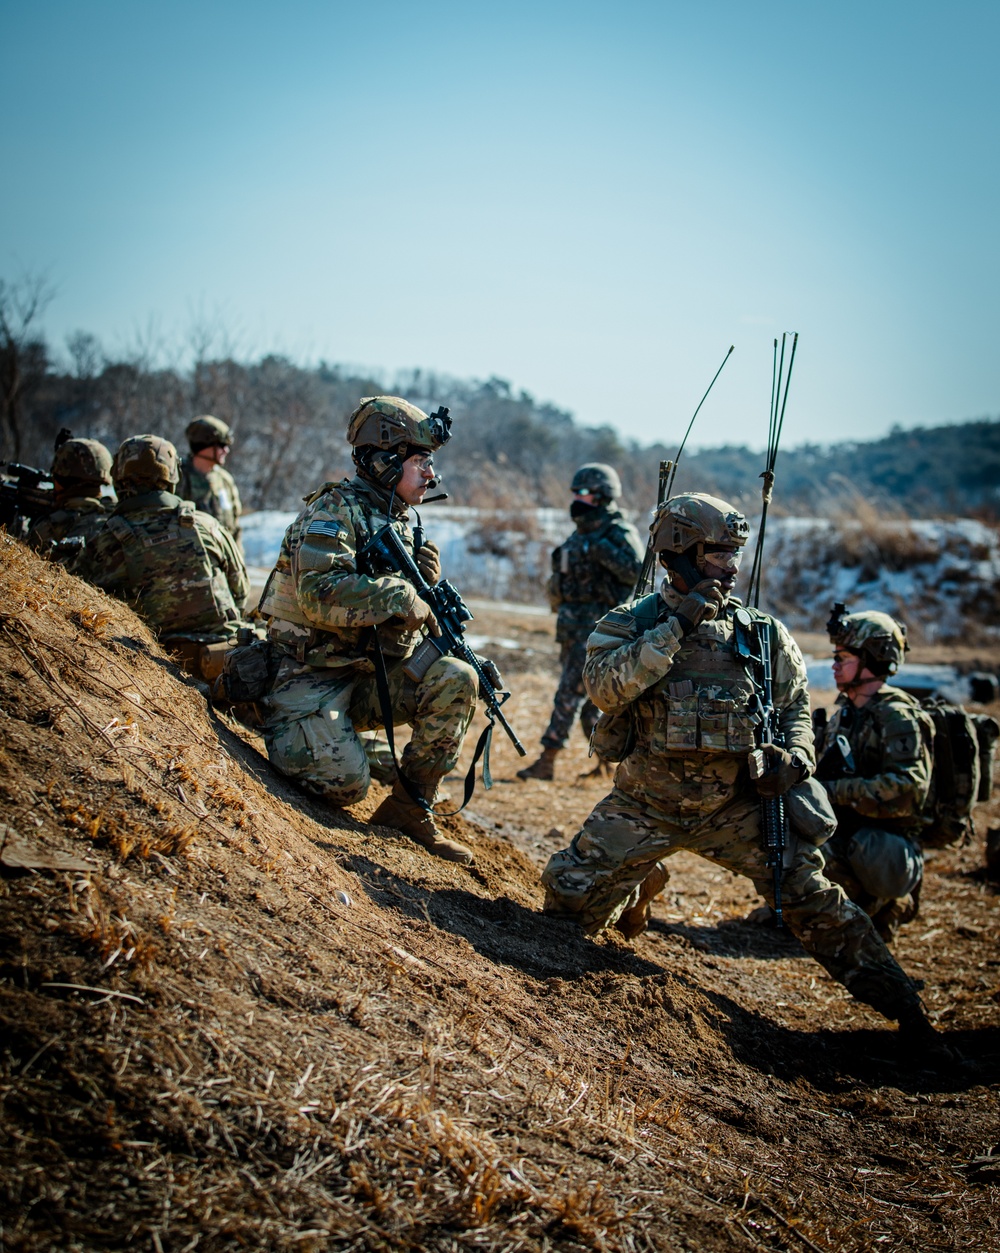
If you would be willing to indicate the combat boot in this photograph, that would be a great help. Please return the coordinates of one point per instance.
(400, 811)
(633, 922)
(543, 768)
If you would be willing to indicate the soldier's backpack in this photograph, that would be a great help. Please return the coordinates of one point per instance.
(964, 745)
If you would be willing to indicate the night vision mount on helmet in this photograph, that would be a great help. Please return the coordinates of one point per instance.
(385, 430)
(876, 637)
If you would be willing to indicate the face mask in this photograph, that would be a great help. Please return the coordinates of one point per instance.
(580, 509)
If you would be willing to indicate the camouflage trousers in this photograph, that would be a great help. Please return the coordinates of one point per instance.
(600, 875)
(873, 866)
(569, 694)
(314, 716)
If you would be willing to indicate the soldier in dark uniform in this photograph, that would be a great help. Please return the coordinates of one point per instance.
(594, 570)
(879, 785)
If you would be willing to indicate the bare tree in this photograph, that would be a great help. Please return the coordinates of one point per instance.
(23, 353)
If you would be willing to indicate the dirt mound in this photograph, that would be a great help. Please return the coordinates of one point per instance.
(257, 1022)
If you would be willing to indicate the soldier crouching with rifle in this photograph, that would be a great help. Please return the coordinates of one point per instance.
(677, 672)
(338, 612)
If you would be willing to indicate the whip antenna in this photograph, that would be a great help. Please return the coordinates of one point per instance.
(780, 381)
(668, 472)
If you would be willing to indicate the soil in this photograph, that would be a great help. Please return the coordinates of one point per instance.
(253, 1021)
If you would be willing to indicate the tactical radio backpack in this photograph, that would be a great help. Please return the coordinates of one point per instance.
(964, 744)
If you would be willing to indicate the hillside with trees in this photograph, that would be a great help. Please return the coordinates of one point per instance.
(508, 448)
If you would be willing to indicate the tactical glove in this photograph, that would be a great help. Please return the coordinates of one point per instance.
(428, 561)
(421, 614)
(703, 603)
(782, 771)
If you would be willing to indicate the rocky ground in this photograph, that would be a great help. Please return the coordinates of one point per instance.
(232, 1017)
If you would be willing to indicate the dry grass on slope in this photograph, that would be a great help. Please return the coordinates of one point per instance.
(256, 1022)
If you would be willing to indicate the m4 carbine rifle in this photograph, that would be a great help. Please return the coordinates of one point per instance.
(26, 494)
(386, 548)
(773, 819)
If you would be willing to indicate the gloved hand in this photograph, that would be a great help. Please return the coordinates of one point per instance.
(421, 614)
(703, 603)
(428, 561)
(783, 771)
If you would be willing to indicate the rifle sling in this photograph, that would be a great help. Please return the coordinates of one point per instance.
(385, 704)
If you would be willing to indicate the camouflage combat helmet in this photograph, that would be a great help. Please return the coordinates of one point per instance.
(145, 463)
(387, 422)
(694, 518)
(84, 459)
(600, 480)
(206, 431)
(879, 639)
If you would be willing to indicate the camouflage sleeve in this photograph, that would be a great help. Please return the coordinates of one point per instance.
(900, 788)
(237, 510)
(620, 553)
(230, 560)
(330, 590)
(791, 695)
(619, 666)
(103, 564)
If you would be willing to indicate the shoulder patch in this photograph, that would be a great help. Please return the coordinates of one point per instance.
(328, 527)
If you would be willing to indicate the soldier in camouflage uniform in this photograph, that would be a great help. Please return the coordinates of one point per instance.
(79, 470)
(594, 570)
(178, 568)
(327, 604)
(669, 663)
(202, 478)
(879, 786)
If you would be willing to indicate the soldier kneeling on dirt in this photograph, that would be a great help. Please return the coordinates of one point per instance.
(673, 670)
(875, 761)
(334, 611)
(179, 568)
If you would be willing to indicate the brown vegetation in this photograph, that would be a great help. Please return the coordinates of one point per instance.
(260, 1023)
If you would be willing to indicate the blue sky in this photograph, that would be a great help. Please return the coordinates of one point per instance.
(591, 200)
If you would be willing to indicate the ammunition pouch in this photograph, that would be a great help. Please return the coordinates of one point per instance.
(810, 814)
(248, 672)
(421, 660)
(204, 660)
(613, 736)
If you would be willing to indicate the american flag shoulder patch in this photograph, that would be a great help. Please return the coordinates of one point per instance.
(328, 527)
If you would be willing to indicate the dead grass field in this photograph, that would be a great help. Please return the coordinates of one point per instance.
(255, 1022)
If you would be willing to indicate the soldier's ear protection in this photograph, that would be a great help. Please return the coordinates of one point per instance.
(385, 466)
(683, 564)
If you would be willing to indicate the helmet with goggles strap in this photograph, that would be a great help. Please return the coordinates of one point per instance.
(695, 518)
(386, 430)
(598, 480)
(877, 638)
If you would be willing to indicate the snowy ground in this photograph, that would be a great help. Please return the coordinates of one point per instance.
(942, 578)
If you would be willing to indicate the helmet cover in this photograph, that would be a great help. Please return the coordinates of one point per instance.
(871, 634)
(598, 479)
(206, 431)
(85, 459)
(695, 518)
(389, 422)
(145, 463)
